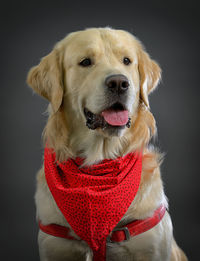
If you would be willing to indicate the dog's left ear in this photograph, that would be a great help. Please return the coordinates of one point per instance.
(46, 79)
(150, 74)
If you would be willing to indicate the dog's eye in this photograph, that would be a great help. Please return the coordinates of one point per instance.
(86, 62)
(126, 61)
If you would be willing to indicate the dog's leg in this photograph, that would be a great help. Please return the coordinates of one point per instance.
(59, 249)
(177, 254)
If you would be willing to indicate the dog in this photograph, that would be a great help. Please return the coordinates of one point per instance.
(97, 82)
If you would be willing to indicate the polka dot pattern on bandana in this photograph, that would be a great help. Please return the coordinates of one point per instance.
(93, 199)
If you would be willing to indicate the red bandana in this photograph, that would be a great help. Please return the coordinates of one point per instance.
(93, 199)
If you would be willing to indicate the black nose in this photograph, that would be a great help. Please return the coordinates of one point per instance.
(117, 83)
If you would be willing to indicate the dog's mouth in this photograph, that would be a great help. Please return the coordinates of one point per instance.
(116, 116)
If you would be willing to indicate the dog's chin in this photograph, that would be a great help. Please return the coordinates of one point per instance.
(112, 131)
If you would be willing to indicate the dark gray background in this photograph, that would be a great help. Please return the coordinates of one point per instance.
(169, 30)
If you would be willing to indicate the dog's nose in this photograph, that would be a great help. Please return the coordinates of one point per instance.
(118, 83)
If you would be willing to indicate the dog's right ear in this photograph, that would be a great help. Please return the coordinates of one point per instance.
(46, 79)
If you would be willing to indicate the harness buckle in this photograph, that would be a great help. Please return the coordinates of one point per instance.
(126, 232)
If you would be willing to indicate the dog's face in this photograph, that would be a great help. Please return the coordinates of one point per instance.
(99, 76)
(102, 79)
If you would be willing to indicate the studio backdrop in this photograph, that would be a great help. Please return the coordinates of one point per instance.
(29, 29)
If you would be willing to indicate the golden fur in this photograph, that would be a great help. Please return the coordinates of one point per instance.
(69, 88)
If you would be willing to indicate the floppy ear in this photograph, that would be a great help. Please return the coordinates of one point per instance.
(150, 74)
(46, 79)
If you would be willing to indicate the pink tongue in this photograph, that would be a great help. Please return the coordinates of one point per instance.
(115, 118)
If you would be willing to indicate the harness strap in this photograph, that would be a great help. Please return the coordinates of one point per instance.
(56, 230)
(131, 229)
(136, 227)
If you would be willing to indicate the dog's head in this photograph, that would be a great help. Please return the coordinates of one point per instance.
(99, 78)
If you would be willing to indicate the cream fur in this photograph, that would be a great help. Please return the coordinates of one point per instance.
(69, 88)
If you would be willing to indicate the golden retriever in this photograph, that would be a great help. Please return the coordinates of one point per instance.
(74, 78)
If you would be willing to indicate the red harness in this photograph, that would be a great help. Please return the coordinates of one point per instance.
(117, 235)
(94, 199)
